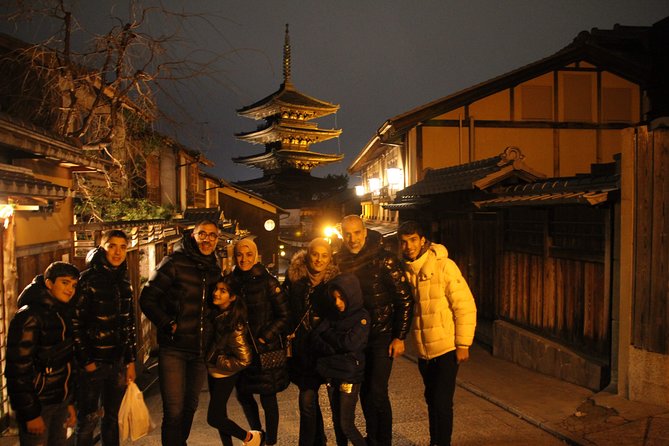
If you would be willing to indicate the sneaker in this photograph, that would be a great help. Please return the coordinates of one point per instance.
(256, 439)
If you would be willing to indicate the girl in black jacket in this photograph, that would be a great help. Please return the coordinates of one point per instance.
(339, 341)
(268, 315)
(228, 352)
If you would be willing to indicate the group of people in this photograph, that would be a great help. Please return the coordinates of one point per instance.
(343, 317)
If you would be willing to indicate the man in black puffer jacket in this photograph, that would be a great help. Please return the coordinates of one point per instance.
(104, 327)
(40, 352)
(387, 298)
(176, 299)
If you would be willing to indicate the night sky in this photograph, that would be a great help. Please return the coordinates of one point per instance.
(375, 58)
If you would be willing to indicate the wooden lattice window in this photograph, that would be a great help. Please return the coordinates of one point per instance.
(524, 230)
(578, 232)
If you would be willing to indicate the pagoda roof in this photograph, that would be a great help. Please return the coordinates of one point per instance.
(289, 128)
(288, 99)
(299, 159)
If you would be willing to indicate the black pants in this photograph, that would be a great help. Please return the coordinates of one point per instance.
(312, 431)
(271, 408)
(104, 387)
(343, 398)
(439, 378)
(374, 392)
(217, 414)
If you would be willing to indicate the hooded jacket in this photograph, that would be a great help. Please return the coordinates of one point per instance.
(104, 322)
(340, 339)
(445, 311)
(386, 293)
(268, 316)
(177, 293)
(40, 350)
(304, 300)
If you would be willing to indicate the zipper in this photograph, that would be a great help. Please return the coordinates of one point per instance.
(202, 306)
(69, 365)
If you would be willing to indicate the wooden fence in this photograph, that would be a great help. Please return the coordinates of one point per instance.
(651, 242)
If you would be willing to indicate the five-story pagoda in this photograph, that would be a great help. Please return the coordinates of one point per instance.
(287, 134)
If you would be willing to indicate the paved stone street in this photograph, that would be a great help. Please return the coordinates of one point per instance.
(477, 422)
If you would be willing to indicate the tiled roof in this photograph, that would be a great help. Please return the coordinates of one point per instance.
(591, 189)
(480, 174)
(288, 97)
(17, 182)
(193, 215)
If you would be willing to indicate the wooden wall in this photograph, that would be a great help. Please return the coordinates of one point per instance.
(546, 269)
(561, 299)
(650, 330)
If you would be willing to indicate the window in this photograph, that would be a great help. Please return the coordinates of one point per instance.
(524, 230)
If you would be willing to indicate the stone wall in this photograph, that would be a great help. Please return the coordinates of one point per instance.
(531, 351)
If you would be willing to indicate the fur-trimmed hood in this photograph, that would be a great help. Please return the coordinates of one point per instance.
(298, 268)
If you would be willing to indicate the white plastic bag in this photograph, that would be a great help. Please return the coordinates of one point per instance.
(133, 416)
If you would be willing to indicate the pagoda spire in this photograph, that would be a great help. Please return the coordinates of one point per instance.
(286, 58)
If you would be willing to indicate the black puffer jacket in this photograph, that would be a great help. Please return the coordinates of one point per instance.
(104, 322)
(302, 296)
(40, 350)
(385, 289)
(178, 291)
(340, 339)
(228, 347)
(268, 314)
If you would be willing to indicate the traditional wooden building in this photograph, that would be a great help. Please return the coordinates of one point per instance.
(287, 134)
(556, 261)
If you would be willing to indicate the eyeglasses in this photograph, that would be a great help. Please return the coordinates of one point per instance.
(207, 235)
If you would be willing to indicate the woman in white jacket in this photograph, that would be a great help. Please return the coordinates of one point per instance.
(444, 321)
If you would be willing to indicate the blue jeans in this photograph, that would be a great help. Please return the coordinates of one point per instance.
(55, 434)
(107, 382)
(343, 399)
(439, 378)
(312, 431)
(374, 391)
(181, 376)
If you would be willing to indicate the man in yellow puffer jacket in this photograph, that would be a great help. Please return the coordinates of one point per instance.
(444, 321)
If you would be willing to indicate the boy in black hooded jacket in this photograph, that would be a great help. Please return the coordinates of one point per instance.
(40, 351)
(339, 342)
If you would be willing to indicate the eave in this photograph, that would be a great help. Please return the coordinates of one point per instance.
(34, 140)
(277, 158)
(287, 98)
(19, 182)
(279, 131)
